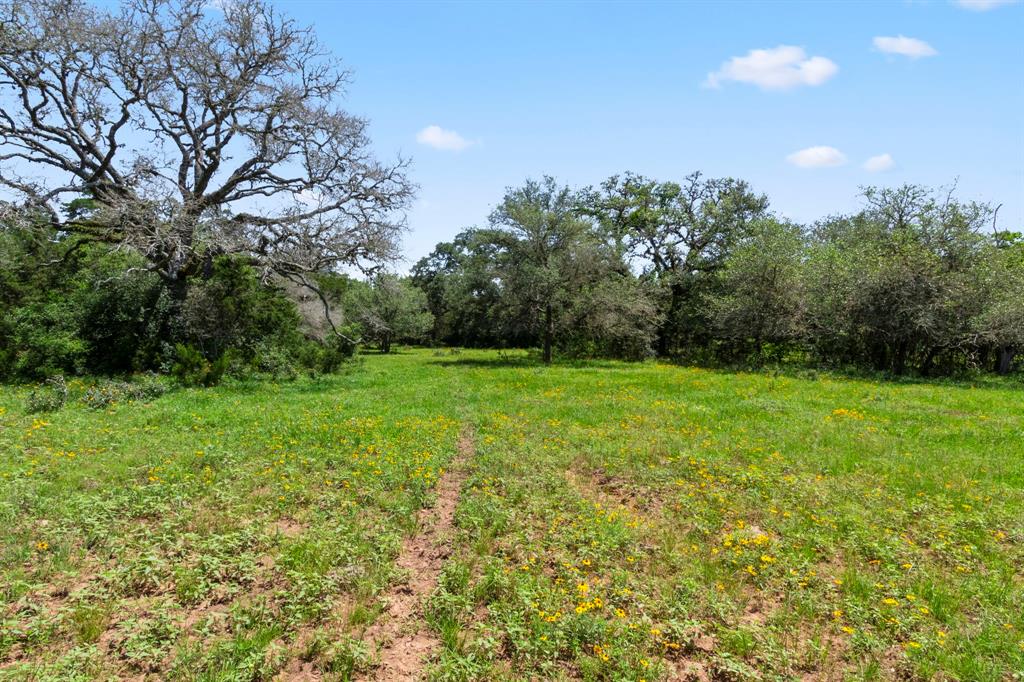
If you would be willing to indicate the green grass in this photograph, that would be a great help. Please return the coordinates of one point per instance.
(619, 522)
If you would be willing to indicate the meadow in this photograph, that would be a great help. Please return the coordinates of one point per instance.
(489, 518)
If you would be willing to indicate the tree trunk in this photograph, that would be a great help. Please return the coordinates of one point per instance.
(549, 332)
(385, 344)
(899, 362)
(881, 356)
(1005, 360)
(172, 324)
(929, 359)
(670, 327)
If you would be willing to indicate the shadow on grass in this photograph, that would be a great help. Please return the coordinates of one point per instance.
(531, 361)
(395, 350)
(799, 371)
(486, 363)
(810, 372)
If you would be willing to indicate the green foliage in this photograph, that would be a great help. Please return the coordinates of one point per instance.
(759, 295)
(125, 322)
(680, 235)
(191, 367)
(540, 274)
(41, 339)
(912, 283)
(615, 316)
(896, 286)
(67, 307)
(229, 308)
(546, 256)
(463, 294)
(388, 309)
(70, 307)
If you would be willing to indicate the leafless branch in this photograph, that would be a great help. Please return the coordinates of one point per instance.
(193, 130)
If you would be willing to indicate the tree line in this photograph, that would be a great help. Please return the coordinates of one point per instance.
(916, 281)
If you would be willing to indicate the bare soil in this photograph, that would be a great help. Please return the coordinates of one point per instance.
(402, 639)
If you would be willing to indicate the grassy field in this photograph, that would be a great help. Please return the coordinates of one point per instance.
(599, 522)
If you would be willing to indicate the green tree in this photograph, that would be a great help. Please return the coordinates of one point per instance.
(759, 297)
(389, 309)
(463, 292)
(232, 309)
(680, 235)
(896, 284)
(999, 324)
(545, 254)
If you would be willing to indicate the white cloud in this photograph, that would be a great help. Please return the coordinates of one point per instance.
(877, 164)
(779, 68)
(439, 138)
(817, 157)
(983, 5)
(908, 47)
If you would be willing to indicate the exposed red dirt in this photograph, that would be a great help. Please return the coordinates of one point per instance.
(402, 639)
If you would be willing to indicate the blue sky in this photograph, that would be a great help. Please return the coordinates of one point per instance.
(584, 90)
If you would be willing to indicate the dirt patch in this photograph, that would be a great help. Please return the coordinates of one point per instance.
(191, 619)
(288, 528)
(755, 613)
(617, 493)
(402, 640)
(688, 671)
(298, 671)
(599, 489)
(705, 643)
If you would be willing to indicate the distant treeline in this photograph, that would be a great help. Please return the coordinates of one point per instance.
(916, 281)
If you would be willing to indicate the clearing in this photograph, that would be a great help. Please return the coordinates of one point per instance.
(472, 515)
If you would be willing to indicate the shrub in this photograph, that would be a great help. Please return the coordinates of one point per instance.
(41, 340)
(275, 361)
(107, 393)
(193, 369)
(123, 319)
(327, 357)
(49, 397)
(231, 308)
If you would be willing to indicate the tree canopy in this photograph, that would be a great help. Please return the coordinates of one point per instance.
(186, 131)
(702, 269)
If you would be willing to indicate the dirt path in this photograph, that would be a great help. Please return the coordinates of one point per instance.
(401, 638)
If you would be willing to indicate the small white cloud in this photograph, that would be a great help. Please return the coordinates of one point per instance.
(877, 164)
(439, 138)
(817, 157)
(908, 47)
(780, 68)
(983, 5)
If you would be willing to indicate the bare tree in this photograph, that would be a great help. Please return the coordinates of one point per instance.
(186, 129)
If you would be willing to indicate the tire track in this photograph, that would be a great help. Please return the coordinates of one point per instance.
(403, 641)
